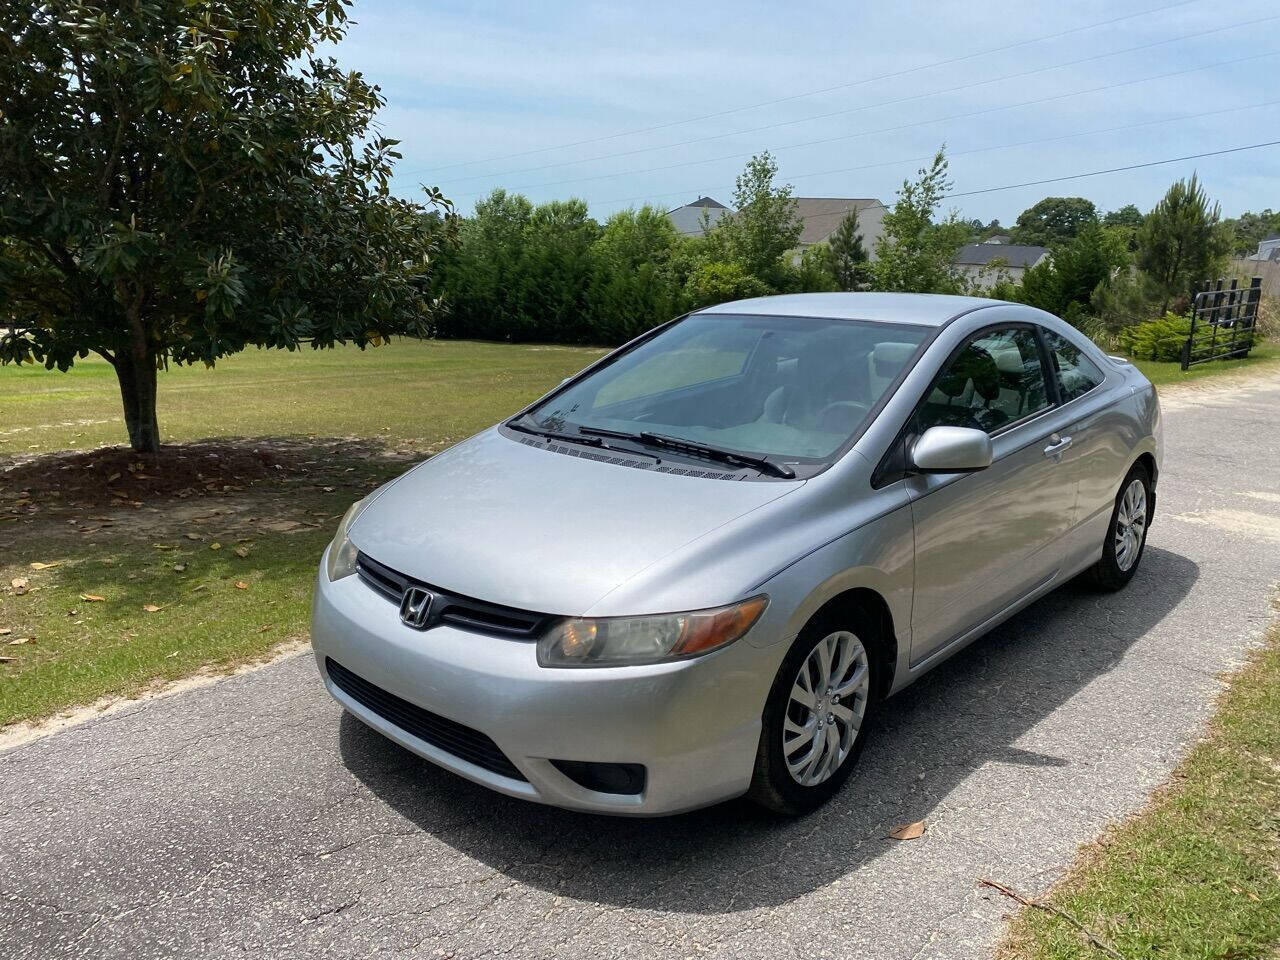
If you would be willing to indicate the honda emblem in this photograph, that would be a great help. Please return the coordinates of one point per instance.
(415, 607)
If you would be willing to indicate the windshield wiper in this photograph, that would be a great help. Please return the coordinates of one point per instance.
(555, 434)
(763, 464)
(584, 437)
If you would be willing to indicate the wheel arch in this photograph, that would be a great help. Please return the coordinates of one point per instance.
(1148, 460)
(864, 602)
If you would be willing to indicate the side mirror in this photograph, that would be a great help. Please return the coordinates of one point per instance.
(951, 450)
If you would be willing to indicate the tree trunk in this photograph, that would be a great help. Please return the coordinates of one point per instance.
(136, 371)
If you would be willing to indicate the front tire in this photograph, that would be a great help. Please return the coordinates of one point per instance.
(1127, 532)
(816, 717)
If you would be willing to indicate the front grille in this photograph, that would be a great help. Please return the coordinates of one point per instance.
(450, 736)
(466, 613)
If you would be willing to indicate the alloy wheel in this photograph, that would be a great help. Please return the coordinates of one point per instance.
(1131, 524)
(825, 710)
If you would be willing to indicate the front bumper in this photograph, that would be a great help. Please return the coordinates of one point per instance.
(693, 724)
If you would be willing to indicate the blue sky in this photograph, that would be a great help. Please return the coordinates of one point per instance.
(474, 89)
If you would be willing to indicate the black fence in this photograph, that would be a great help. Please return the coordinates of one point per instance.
(1223, 319)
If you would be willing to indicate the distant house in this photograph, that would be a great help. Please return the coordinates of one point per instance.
(984, 263)
(688, 220)
(1268, 249)
(821, 217)
(999, 238)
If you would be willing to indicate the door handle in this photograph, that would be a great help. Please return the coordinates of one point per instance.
(1057, 444)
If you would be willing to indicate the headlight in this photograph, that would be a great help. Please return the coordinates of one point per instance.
(342, 552)
(618, 641)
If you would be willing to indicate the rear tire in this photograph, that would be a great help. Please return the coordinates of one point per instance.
(1126, 533)
(815, 720)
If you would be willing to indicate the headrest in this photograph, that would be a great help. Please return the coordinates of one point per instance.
(1009, 359)
(973, 364)
(889, 358)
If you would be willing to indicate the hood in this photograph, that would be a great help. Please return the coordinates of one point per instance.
(519, 525)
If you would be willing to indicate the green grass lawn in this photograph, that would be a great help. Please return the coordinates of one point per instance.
(435, 392)
(211, 609)
(1262, 357)
(1196, 875)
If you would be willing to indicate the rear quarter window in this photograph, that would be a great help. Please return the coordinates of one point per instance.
(1077, 374)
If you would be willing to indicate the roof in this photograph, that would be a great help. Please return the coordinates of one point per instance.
(925, 309)
(1013, 254)
(998, 238)
(688, 219)
(821, 215)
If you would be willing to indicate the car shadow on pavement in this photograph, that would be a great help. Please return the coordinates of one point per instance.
(965, 714)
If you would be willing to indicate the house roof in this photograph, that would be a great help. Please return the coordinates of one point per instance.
(1013, 254)
(998, 238)
(822, 215)
(688, 219)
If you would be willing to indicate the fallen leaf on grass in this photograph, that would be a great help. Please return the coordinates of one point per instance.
(908, 831)
(215, 546)
(151, 608)
(241, 585)
(192, 536)
(179, 567)
(7, 659)
(37, 565)
(92, 598)
(264, 628)
(5, 631)
(19, 641)
(20, 585)
(242, 551)
(163, 546)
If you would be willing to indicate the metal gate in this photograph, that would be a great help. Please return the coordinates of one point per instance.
(1222, 322)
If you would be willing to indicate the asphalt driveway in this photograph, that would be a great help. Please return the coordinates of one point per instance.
(252, 817)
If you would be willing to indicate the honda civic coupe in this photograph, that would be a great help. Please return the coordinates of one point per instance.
(694, 570)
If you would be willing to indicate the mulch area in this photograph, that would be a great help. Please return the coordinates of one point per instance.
(117, 477)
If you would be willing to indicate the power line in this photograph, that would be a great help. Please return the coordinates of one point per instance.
(1098, 173)
(958, 153)
(897, 128)
(811, 93)
(871, 106)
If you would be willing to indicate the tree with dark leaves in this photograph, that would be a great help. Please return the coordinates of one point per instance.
(848, 255)
(182, 179)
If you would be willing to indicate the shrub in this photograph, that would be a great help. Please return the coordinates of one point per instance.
(1156, 339)
(712, 283)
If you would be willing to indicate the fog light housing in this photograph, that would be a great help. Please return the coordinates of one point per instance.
(621, 778)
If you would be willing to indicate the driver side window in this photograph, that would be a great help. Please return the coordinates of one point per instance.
(996, 379)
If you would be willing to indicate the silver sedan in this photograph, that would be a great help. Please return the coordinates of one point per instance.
(694, 570)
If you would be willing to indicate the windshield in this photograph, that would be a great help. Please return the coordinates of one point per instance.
(785, 387)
